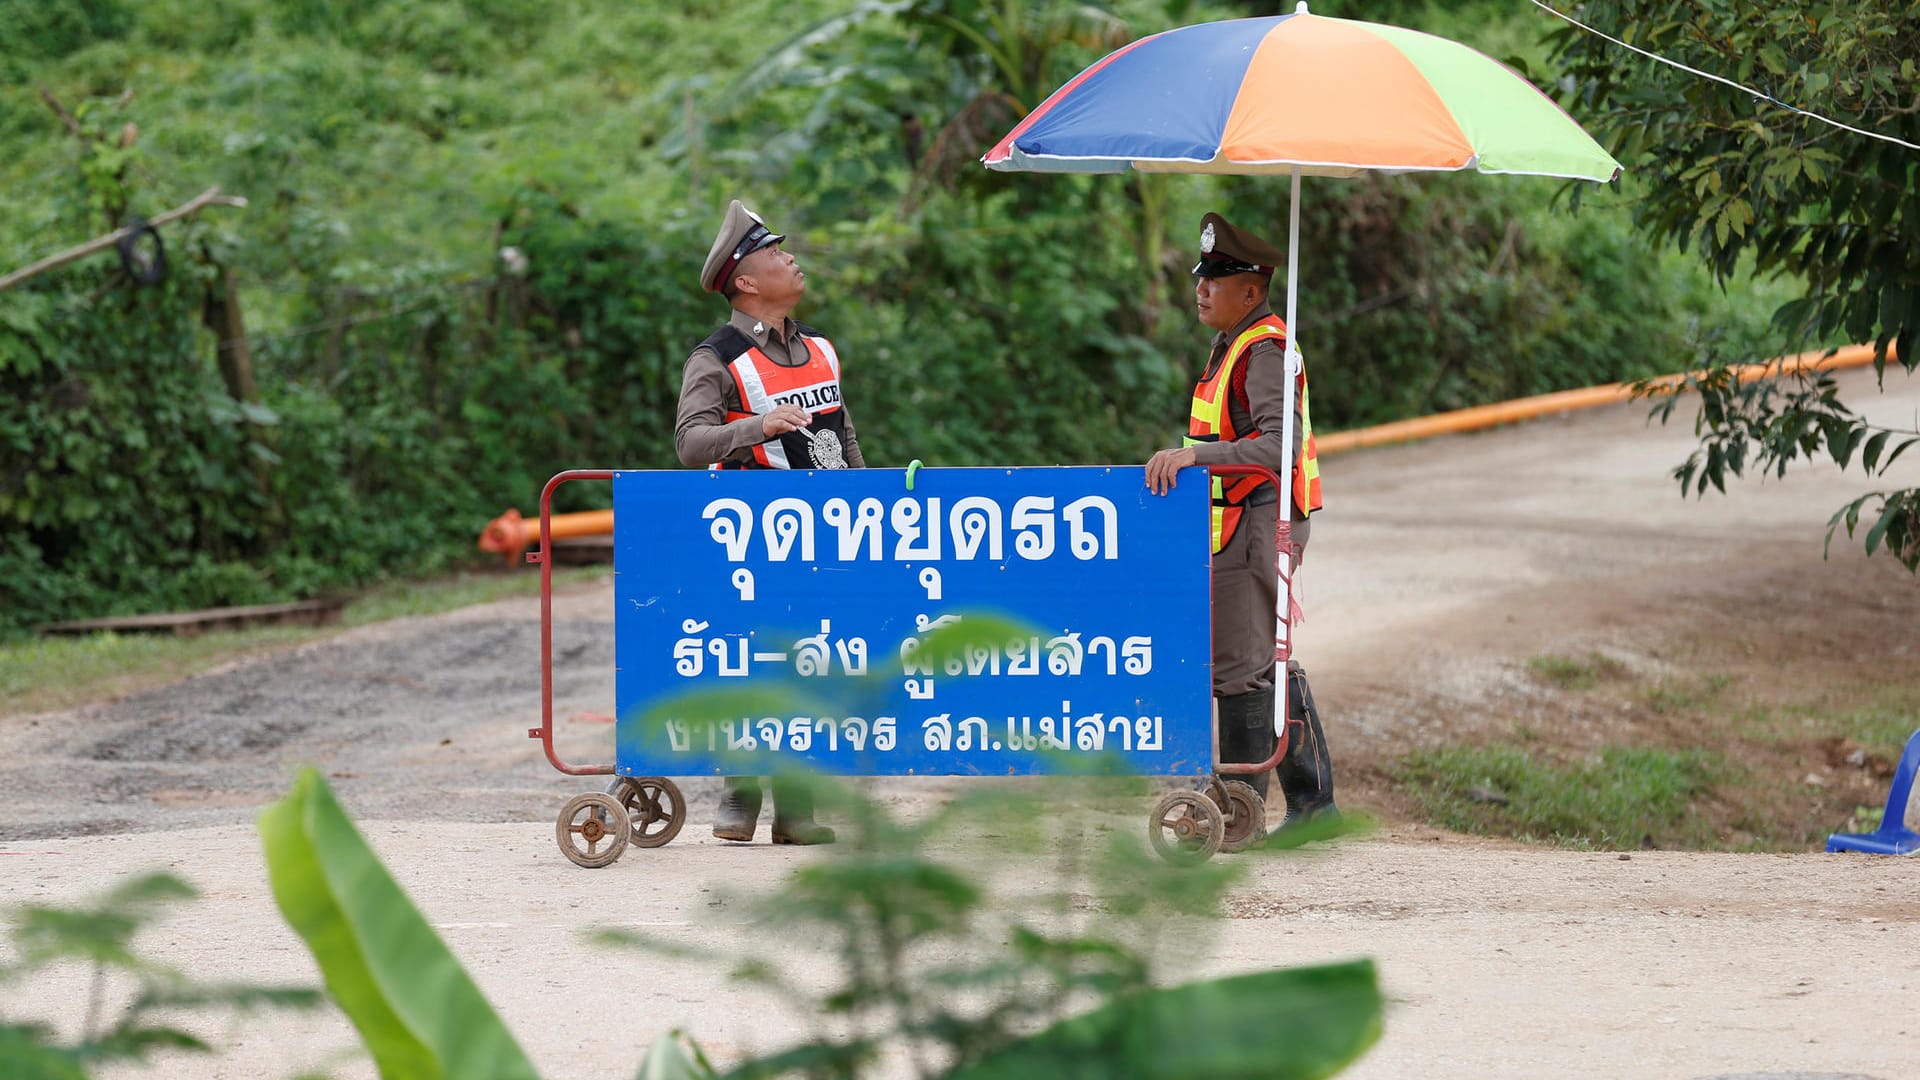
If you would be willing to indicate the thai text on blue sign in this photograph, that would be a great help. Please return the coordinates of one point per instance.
(987, 621)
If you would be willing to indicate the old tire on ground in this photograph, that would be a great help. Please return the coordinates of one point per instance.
(1186, 828)
(593, 829)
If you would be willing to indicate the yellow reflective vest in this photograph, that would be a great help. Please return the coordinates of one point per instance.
(1211, 420)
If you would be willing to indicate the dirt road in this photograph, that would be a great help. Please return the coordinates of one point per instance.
(1438, 570)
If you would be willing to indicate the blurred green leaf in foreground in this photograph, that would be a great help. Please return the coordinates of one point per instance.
(101, 936)
(1028, 941)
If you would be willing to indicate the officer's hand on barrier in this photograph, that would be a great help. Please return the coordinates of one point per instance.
(1164, 468)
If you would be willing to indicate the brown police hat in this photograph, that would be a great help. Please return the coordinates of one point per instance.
(1226, 250)
(741, 234)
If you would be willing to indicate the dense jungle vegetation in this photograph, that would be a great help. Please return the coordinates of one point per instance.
(474, 228)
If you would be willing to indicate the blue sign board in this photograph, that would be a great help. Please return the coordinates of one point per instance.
(985, 621)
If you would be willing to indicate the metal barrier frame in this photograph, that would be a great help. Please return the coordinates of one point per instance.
(1284, 558)
(543, 556)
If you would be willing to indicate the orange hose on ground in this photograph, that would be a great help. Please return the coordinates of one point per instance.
(1506, 412)
(510, 534)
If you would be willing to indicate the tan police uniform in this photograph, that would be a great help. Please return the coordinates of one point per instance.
(702, 436)
(1246, 581)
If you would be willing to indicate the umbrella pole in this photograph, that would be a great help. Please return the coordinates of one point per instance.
(1283, 629)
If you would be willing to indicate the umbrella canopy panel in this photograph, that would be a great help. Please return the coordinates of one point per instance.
(1323, 96)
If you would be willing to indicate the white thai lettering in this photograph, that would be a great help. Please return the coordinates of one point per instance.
(732, 526)
(783, 521)
(976, 519)
(919, 529)
(1085, 543)
(1033, 524)
(855, 527)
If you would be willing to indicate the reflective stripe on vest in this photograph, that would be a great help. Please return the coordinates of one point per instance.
(1211, 420)
(814, 386)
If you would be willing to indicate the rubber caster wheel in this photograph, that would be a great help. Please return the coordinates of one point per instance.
(655, 807)
(593, 829)
(1186, 828)
(1246, 814)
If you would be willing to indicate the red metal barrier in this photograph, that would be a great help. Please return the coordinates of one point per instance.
(543, 556)
(1282, 644)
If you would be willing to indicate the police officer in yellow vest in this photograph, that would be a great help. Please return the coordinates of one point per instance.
(762, 392)
(1238, 409)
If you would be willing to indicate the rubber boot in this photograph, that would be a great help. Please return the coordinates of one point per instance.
(793, 815)
(1306, 772)
(739, 809)
(1246, 733)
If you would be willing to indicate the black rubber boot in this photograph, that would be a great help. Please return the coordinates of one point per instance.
(793, 815)
(1246, 733)
(739, 809)
(1306, 772)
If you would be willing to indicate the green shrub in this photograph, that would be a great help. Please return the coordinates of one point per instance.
(412, 386)
(51, 29)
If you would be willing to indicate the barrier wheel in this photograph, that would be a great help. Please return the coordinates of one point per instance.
(1246, 814)
(654, 805)
(1216, 791)
(593, 829)
(1186, 827)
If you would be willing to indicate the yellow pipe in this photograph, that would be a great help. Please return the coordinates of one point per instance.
(1507, 412)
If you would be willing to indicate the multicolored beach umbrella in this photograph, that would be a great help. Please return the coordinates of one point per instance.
(1299, 95)
(1331, 97)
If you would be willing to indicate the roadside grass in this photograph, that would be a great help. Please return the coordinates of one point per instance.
(1621, 798)
(1670, 696)
(1881, 723)
(1576, 673)
(1665, 695)
(45, 673)
(401, 599)
(1864, 819)
(1718, 756)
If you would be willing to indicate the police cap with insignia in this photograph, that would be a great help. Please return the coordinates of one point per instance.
(1226, 250)
(741, 234)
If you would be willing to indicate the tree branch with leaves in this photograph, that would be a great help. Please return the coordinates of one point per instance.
(1746, 184)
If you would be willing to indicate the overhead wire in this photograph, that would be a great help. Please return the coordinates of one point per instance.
(1725, 81)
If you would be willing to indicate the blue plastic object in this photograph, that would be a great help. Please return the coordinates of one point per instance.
(1892, 837)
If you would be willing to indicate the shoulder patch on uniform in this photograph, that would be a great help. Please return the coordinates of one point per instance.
(729, 343)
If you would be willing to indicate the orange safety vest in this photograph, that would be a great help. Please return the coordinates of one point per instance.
(761, 384)
(1212, 421)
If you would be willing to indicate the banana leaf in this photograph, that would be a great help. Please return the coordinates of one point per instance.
(419, 1013)
(1292, 1024)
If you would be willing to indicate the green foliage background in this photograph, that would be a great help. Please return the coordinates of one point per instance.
(1765, 188)
(413, 384)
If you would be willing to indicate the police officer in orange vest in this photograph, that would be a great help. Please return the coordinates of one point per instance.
(1238, 408)
(762, 392)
